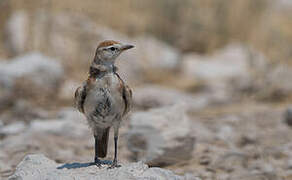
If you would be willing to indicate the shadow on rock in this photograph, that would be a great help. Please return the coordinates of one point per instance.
(82, 165)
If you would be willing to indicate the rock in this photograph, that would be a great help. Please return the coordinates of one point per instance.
(231, 70)
(68, 89)
(61, 33)
(236, 70)
(161, 136)
(276, 83)
(289, 164)
(154, 54)
(153, 96)
(31, 75)
(55, 136)
(38, 167)
(149, 55)
(69, 123)
(5, 167)
(231, 161)
(230, 62)
(24, 111)
(225, 132)
(282, 5)
(14, 128)
(288, 116)
(40, 69)
(17, 33)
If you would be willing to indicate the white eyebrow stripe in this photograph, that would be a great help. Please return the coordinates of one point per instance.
(107, 47)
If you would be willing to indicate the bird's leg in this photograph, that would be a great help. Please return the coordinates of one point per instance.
(97, 162)
(115, 161)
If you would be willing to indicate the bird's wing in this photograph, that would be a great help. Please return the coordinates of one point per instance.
(126, 95)
(80, 95)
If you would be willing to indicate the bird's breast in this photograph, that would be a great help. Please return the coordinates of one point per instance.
(104, 100)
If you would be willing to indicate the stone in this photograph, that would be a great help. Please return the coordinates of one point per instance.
(64, 137)
(29, 75)
(230, 70)
(63, 40)
(68, 89)
(225, 132)
(25, 111)
(289, 164)
(37, 166)
(231, 161)
(16, 31)
(288, 116)
(156, 54)
(229, 62)
(149, 55)
(276, 82)
(69, 123)
(14, 128)
(161, 136)
(42, 70)
(153, 96)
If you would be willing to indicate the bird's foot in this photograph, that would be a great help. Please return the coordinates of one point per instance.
(97, 162)
(114, 164)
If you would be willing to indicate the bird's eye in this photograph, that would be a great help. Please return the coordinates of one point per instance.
(112, 48)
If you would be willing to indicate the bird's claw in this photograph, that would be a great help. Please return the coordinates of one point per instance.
(97, 162)
(114, 165)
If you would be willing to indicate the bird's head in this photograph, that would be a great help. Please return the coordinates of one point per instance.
(108, 51)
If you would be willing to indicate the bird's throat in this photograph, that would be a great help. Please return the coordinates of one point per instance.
(98, 70)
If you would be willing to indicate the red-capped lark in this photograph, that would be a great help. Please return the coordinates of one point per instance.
(104, 98)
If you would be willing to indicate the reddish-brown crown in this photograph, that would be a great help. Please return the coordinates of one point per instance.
(107, 43)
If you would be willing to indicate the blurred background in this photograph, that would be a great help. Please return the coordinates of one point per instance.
(211, 82)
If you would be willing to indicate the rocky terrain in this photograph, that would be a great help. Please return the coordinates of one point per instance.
(38, 167)
(225, 115)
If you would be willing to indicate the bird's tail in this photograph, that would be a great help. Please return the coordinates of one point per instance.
(102, 142)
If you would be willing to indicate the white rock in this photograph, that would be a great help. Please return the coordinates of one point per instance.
(225, 132)
(148, 55)
(233, 70)
(230, 62)
(282, 5)
(288, 116)
(14, 128)
(67, 30)
(17, 32)
(279, 79)
(38, 167)
(151, 96)
(43, 71)
(68, 89)
(161, 136)
(70, 124)
(289, 163)
(154, 54)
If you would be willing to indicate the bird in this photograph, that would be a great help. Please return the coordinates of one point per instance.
(104, 98)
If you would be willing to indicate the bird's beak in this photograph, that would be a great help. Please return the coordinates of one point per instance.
(126, 47)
